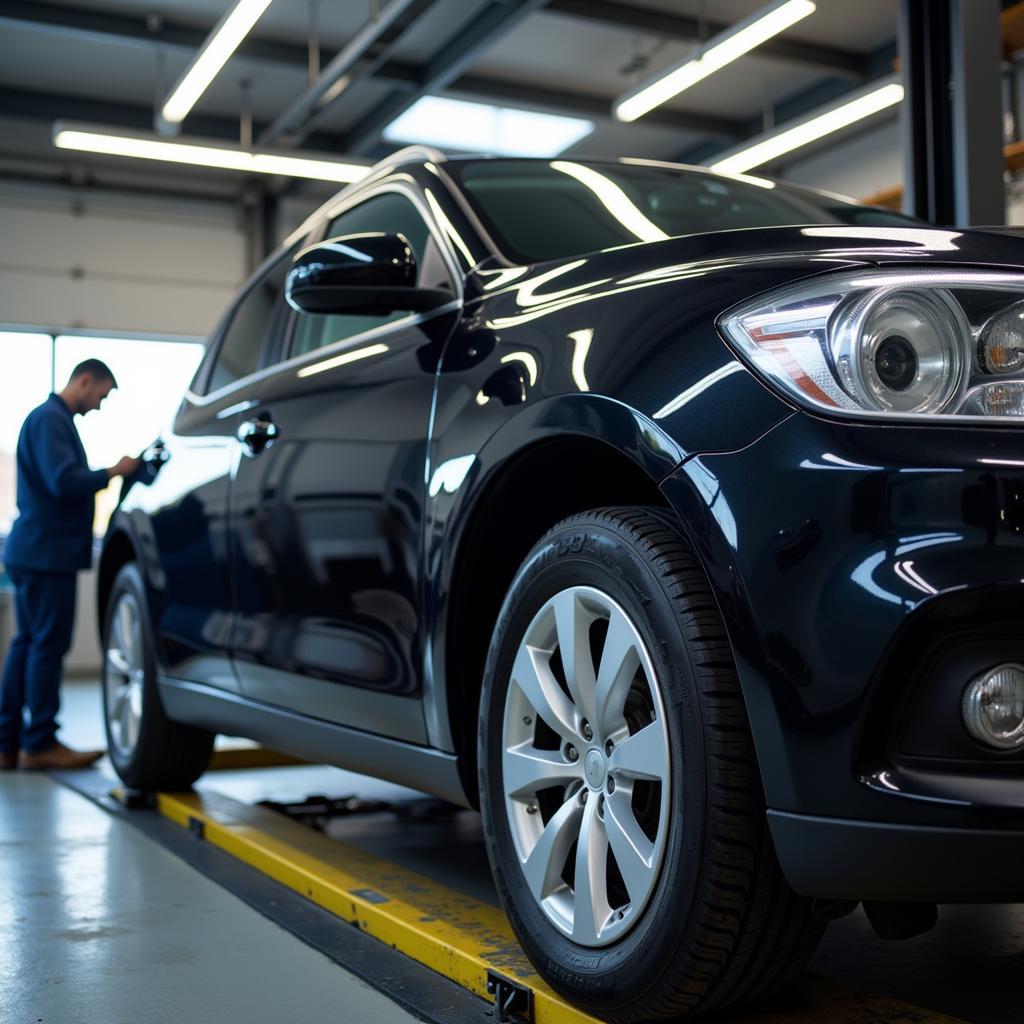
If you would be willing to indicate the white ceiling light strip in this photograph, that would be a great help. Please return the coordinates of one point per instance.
(211, 57)
(723, 49)
(775, 144)
(90, 139)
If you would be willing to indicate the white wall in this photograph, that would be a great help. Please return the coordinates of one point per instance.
(116, 261)
(1015, 201)
(865, 164)
(84, 657)
(858, 166)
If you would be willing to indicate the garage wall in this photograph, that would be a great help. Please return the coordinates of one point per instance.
(77, 258)
(857, 167)
(84, 657)
(116, 261)
(871, 162)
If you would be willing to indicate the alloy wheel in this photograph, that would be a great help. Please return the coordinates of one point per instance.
(586, 766)
(124, 674)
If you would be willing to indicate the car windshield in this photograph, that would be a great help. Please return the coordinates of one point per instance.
(538, 210)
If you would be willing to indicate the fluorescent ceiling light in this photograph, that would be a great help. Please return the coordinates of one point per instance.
(777, 143)
(726, 47)
(481, 127)
(211, 57)
(145, 147)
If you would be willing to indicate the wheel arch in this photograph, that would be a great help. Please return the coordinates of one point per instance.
(118, 550)
(126, 542)
(589, 452)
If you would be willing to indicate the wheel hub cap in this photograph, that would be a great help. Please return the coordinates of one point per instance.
(586, 766)
(595, 769)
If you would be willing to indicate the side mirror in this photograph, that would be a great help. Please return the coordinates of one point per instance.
(374, 273)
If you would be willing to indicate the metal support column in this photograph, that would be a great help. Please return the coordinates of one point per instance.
(980, 194)
(270, 209)
(951, 53)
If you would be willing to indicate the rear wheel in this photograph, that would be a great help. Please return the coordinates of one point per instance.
(147, 749)
(620, 792)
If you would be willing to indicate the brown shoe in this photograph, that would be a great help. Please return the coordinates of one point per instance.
(59, 756)
(8, 760)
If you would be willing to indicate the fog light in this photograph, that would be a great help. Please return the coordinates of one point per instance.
(993, 707)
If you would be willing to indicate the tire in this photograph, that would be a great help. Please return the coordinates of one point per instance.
(711, 922)
(148, 750)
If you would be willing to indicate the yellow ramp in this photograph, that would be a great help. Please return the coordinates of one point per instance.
(455, 935)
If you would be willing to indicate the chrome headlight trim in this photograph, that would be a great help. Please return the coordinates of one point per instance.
(808, 342)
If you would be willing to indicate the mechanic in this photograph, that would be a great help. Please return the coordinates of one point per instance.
(50, 541)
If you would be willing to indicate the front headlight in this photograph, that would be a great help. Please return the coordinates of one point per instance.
(891, 343)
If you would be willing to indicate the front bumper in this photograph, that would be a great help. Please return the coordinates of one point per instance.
(865, 573)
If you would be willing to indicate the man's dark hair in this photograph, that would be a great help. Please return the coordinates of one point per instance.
(96, 368)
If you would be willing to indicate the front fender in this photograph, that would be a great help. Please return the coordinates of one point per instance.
(463, 471)
(129, 537)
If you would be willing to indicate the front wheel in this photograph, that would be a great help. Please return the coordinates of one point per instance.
(147, 749)
(620, 793)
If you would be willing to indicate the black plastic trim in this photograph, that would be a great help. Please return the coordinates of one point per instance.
(421, 768)
(842, 859)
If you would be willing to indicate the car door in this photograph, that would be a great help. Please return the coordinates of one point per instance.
(327, 503)
(186, 507)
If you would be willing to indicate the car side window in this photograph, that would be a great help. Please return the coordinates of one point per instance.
(393, 213)
(259, 316)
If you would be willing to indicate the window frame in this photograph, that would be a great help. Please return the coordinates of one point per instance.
(205, 371)
(314, 236)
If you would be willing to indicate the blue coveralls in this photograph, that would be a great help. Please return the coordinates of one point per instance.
(50, 541)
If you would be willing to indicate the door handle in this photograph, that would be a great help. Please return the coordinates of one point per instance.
(258, 433)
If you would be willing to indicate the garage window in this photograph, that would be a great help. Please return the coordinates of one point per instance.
(152, 375)
(135, 413)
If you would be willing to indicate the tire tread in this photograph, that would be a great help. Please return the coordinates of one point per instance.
(752, 935)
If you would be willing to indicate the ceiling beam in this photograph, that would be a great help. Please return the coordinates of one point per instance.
(359, 58)
(407, 81)
(843, 63)
(69, 21)
(49, 107)
(461, 51)
(186, 186)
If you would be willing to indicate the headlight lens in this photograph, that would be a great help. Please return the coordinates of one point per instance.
(892, 343)
(1001, 344)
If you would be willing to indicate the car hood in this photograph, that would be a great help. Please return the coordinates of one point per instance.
(834, 243)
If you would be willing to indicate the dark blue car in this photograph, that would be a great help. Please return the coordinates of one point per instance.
(675, 520)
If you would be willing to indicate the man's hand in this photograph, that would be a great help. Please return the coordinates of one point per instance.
(126, 466)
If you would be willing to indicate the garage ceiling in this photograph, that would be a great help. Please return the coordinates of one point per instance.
(110, 61)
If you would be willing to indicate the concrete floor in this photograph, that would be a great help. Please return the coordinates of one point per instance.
(99, 923)
(182, 947)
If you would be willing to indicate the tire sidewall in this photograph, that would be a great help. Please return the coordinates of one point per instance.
(589, 552)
